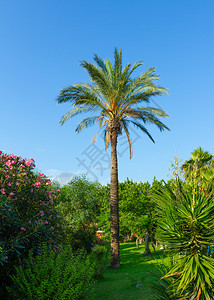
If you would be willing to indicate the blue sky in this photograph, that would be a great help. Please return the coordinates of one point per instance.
(42, 44)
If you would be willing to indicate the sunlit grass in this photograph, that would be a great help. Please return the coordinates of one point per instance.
(134, 279)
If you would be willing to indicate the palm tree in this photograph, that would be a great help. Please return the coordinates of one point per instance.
(196, 167)
(114, 100)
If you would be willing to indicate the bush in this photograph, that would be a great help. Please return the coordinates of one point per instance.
(53, 275)
(187, 228)
(27, 213)
(101, 258)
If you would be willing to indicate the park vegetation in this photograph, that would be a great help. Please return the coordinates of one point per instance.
(55, 240)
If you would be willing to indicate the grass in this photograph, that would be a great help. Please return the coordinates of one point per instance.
(133, 280)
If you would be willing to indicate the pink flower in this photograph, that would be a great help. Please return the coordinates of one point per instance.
(37, 184)
(11, 194)
(28, 163)
(9, 184)
(23, 229)
(3, 191)
(42, 213)
(8, 163)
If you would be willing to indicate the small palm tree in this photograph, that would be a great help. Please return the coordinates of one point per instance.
(114, 100)
(195, 168)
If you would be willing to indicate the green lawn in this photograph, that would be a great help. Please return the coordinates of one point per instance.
(135, 269)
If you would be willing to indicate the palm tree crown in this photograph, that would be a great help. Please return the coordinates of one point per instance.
(114, 100)
(195, 168)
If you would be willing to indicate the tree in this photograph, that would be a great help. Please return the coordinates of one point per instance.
(137, 211)
(114, 100)
(195, 168)
(79, 207)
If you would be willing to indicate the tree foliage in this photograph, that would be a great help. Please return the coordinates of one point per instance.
(79, 207)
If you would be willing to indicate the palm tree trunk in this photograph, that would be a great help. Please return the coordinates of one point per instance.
(115, 251)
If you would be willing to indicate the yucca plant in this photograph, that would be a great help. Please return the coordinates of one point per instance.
(114, 100)
(187, 228)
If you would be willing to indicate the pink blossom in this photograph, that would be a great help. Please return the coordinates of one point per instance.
(11, 194)
(37, 184)
(3, 191)
(42, 213)
(9, 184)
(28, 163)
(23, 229)
(8, 163)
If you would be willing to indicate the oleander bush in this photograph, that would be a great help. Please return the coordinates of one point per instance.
(27, 214)
(54, 275)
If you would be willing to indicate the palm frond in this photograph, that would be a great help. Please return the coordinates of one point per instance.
(106, 138)
(124, 126)
(141, 127)
(86, 123)
(76, 111)
(100, 62)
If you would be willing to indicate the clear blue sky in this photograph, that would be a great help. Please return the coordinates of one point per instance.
(41, 45)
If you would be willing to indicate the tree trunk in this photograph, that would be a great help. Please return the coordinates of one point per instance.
(156, 243)
(115, 251)
(137, 240)
(153, 245)
(147, 250)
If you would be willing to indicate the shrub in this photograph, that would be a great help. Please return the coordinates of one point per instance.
(53, 275)
(27, 213)
(101, 258)
(187, 228)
